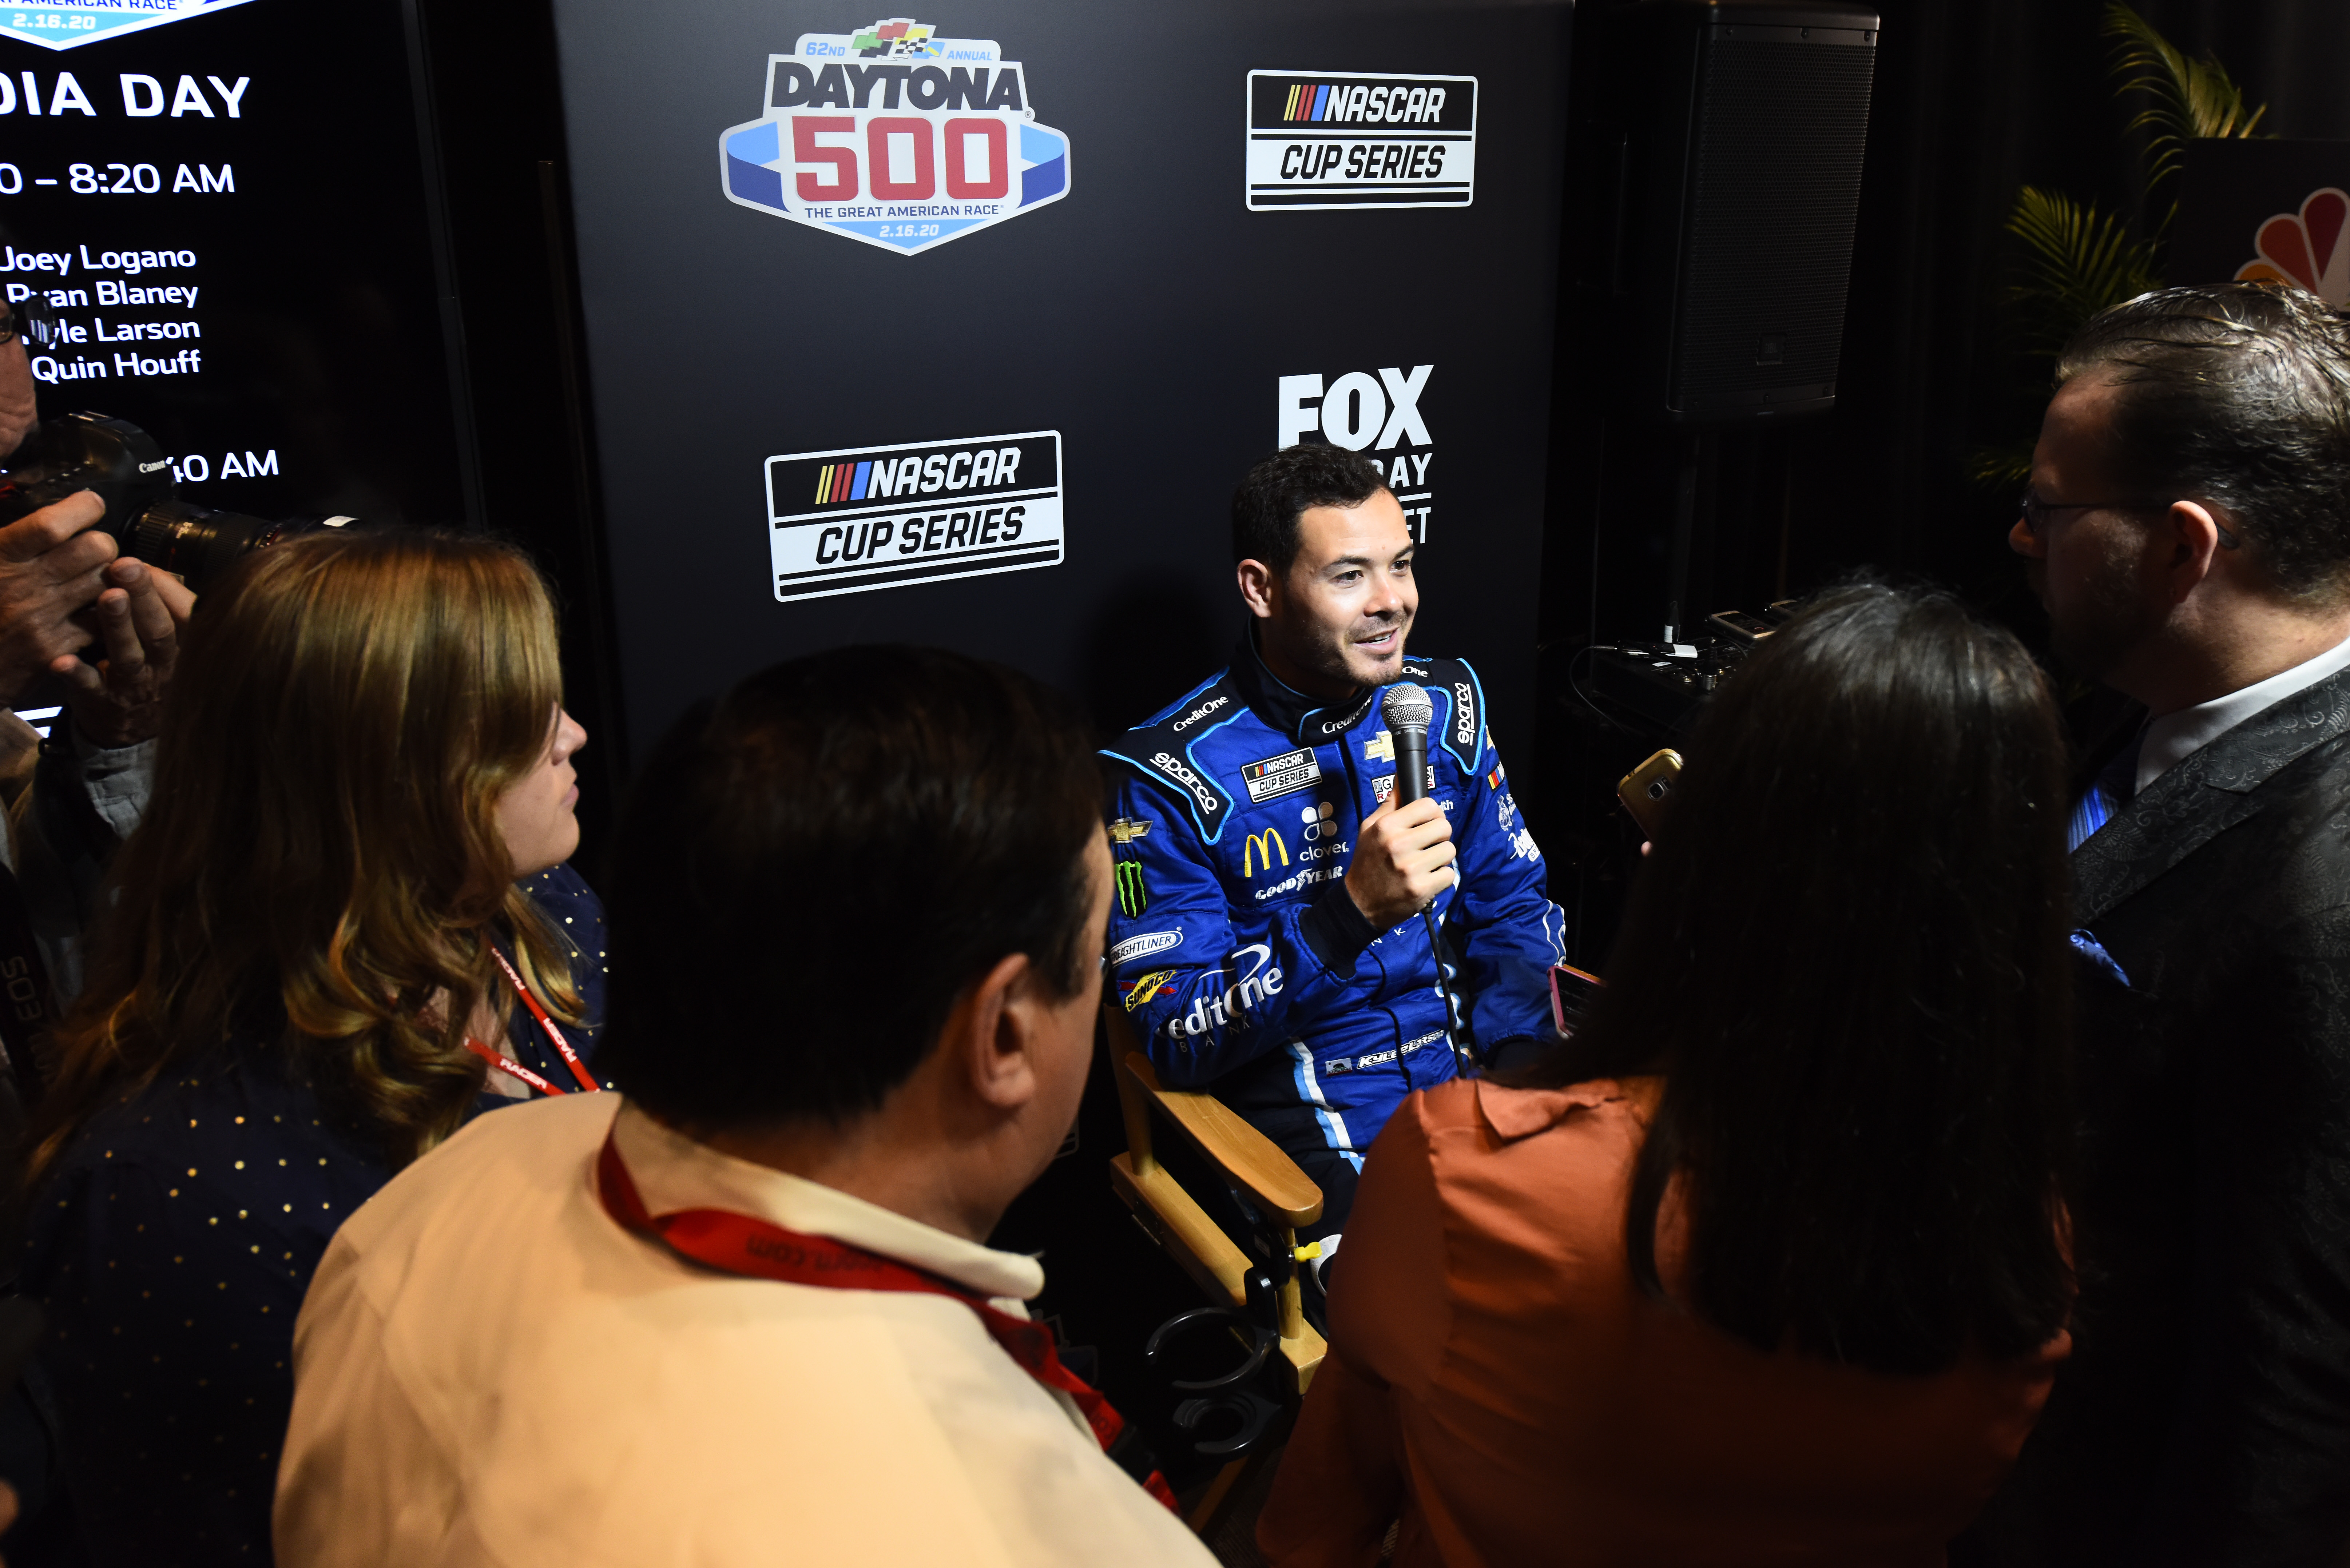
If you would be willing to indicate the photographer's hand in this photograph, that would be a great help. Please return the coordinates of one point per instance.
(16, 411)
(119, 700)
(51, 563)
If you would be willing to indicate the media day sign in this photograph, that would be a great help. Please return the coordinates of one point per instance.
(74, 22)
(896, 137)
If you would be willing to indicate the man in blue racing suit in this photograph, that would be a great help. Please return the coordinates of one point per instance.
(1266, 939)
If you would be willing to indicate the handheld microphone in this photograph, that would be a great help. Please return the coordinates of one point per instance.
(1407, 710)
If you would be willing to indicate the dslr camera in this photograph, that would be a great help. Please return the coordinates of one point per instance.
(127, 470)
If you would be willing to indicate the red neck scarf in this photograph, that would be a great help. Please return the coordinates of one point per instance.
(738, 1244)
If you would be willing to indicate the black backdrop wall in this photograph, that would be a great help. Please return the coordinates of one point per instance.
(1134, 327)
(1973, 100)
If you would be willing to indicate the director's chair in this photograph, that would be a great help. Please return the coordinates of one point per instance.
(1252, 1278)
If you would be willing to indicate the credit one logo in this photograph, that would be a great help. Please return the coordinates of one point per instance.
(1202, 712)
(862, 518)
(1263, 980)
(904, 140)
(1325, 139)
(1359, 408)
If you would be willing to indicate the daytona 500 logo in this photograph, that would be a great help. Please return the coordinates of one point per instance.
(896, 137)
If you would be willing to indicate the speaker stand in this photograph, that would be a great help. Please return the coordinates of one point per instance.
(1690, 450)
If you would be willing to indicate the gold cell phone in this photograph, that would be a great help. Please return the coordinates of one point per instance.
(1648, 790)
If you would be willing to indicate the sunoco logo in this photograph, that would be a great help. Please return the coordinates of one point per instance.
(67, 24)
(1202, 712)
(896, 137)
(883, 517)
(1323, 139)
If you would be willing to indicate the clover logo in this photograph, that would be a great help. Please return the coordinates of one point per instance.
(2307, 249)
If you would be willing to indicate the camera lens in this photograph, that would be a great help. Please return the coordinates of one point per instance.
(200, 544)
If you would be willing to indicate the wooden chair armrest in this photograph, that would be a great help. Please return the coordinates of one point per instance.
(1251, 1160)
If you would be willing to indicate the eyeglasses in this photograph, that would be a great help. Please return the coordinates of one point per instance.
(2036, 513)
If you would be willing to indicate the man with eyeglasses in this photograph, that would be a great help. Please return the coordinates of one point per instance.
(2187, 529)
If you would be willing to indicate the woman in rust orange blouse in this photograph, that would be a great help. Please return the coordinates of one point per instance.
(1768, 1266)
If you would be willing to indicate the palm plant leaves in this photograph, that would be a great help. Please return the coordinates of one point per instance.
(2077, 260)
(2186, 99)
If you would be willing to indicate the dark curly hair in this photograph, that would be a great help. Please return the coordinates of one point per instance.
(2236, 394)
(1283, 487)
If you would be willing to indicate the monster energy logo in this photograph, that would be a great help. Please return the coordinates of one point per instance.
(1133, 896)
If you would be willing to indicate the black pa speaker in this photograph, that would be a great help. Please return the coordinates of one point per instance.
(1736, 130)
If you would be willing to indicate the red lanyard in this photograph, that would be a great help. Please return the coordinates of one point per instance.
(563, 1046)
(739, 1244)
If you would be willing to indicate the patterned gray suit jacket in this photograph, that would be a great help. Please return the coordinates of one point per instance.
(2205, 1418)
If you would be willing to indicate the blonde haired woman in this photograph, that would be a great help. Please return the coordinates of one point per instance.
(344, 927)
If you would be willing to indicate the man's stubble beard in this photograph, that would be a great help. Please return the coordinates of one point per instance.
(2099, 630)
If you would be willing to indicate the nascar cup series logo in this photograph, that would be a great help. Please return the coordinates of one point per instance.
(896, 137)
(1340, 138)
(862, 518)
(64, 24)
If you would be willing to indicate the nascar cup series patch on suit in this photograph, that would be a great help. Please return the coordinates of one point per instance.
(896, 137)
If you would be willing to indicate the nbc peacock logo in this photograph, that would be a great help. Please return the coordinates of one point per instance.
(2308, 249)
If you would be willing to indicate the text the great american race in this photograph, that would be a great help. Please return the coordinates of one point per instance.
(72, 23)
(896, 137)
(883, 517)
(1352, 138)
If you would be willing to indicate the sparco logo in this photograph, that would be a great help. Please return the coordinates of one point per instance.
(1359, 410)
(1464, 715)
(1326, 139)
(1202, 712)
(895, 137)
(1188, 779)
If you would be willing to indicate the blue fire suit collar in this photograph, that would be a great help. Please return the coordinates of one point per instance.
(1304, 720)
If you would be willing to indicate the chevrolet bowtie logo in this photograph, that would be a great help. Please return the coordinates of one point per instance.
(1127, 829)
(1381, 749)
